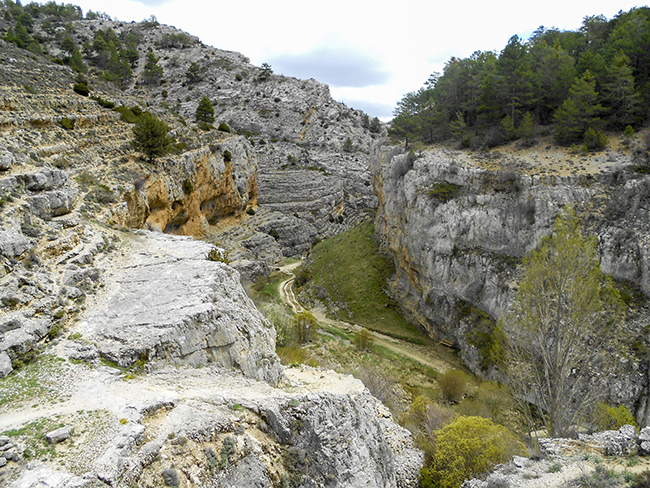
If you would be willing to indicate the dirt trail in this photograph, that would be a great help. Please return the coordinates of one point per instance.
(404, 348)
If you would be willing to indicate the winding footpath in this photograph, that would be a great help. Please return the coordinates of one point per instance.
(404, 348)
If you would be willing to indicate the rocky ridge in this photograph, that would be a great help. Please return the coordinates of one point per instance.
(226, 414)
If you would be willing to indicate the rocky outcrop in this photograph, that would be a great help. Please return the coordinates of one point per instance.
(185, 196)
(211, 427)
(458, 230)
(167, 303)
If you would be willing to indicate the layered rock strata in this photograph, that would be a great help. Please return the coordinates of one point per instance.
(457, 232)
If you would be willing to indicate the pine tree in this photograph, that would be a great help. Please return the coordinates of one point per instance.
(150, 136)
(152, 72)
(193, 73)
(67, 45)
(526, 127)
(77, 62)
(205, 111)
(578, 112)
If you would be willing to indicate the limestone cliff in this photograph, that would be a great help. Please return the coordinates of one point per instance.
(458, 229)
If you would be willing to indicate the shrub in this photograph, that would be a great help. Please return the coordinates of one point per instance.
(453, 385)
(188, 186)
(223, 127)
(104, 103)
(363, 340)
(81, 89)
(601, 477)
(379, 384)
(218, 254)
(303, 326)
(127, 114)
(444, 191)
(303, 274)
(641, 480)
(628, 133)
(281, 320)
(607, 417)
(595, 141)
(424, 418)
(227, 156)
(66, 123)
(228, 449)
(467, 447)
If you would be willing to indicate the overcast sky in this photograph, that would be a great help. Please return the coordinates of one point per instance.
(370, 53)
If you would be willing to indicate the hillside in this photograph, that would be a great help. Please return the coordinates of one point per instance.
(129, 352)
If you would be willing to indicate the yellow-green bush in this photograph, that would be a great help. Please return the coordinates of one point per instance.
(607, 417)
(453, 385)
(467, 447)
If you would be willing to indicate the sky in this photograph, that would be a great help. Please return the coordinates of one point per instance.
(370, 52)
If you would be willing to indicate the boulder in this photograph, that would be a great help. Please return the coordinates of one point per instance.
(249, 472)
(171, 304)
(58, 435)
(5, 365)
(170, 477)
(46, 179)
(52, 203)
(13, 243)
(644, 441)
(6, 160)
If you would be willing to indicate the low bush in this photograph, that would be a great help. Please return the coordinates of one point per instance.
(81, 89)
(104, 103)
(601, 477)
(595, 141)
(453, 385)
(607, 417)
(66, 123)
(218, 254)
(303, 327)
(467, 447)
(223, 127)
(363, 340)
(380, 385)
(444, 191)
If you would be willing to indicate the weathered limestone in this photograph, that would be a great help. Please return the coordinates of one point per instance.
(168, 303)
(460, 256)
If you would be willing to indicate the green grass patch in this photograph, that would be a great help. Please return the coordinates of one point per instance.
(36, 380)
(351, 270)
(266, 288)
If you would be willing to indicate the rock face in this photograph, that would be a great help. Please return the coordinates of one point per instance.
(211, 427)
(457, 232)
(190, 193)
(197, 400)
(168, 303)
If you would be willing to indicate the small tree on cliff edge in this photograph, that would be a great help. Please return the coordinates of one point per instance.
(150, 136)
(563, 329)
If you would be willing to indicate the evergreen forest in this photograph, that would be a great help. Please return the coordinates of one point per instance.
(574, 84)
